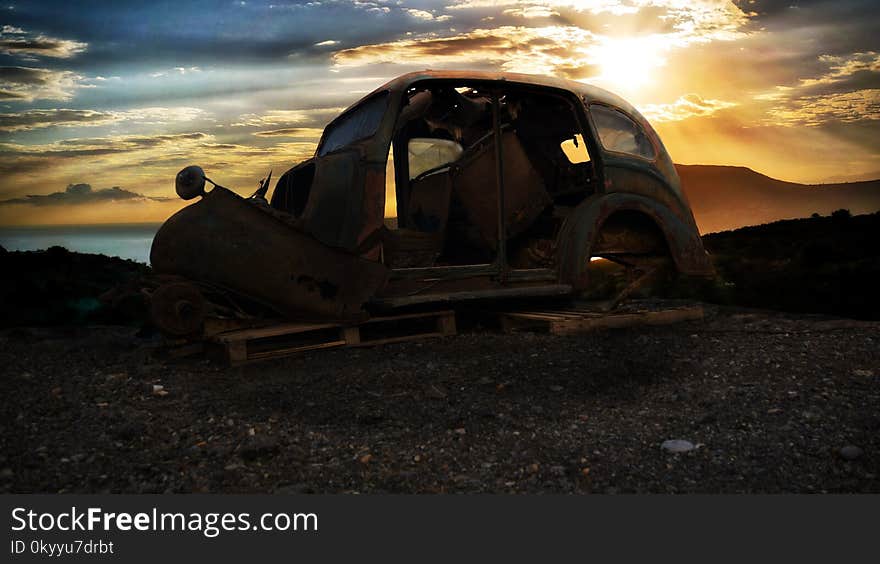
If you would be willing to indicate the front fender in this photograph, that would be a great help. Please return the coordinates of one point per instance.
(578, 236)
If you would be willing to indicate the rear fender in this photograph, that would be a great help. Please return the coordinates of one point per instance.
(579, 234)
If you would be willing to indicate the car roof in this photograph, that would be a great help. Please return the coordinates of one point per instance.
(587, 91)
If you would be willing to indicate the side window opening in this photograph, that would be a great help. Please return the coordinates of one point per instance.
(618, 133)
(359, 123)
(426, 154)
(575, 149)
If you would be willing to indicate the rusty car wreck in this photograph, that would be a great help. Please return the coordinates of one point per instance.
(436, 187)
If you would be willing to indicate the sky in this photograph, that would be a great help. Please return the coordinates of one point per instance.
(101, 103)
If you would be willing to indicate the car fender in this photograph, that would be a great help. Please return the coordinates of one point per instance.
(580, 229)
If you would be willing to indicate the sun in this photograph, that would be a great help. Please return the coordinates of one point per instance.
(628, 64)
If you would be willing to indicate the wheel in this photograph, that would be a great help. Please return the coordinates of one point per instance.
(178, 309)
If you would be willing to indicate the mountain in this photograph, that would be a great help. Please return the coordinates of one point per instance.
(728, 197)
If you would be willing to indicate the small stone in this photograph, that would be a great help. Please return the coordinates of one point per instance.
(863, 373)
(677, 445)
(850, 452)
(556, 388)
(461, 431)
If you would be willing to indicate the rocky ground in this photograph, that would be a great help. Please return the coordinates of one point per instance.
(768, 402)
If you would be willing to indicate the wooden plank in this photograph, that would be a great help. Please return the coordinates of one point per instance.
(236, 352)
(574, 321)
(446, 324)
(407, 316)
(294, 350)
(401, 339)
(272, 331)
(351, 335)
(239, 344)
(618, 321)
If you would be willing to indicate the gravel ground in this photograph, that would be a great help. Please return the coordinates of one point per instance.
(770, 402)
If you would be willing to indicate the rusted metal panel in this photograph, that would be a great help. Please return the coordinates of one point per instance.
(524, 193)
(232, 243)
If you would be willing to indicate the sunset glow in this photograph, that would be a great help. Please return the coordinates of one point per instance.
(125, 95)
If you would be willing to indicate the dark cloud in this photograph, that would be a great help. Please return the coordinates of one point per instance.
(28, 83)
(32, 119)
(25, 75)
(81, 194)
(41, 46)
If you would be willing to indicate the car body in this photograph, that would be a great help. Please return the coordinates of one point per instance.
(578, 173)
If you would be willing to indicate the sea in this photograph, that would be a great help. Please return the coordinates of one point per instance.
(125, 240)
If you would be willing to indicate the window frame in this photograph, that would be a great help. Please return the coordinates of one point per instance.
(627, 115)
(348, 113)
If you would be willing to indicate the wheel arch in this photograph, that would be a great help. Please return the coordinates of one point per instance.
(579, 235)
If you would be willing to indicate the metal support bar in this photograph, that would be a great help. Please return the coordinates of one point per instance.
(501, 259)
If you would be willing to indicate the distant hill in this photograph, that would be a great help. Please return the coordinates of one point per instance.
(728, 197)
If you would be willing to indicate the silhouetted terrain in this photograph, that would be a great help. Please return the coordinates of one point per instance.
(59, 287)
(818, 265)
(728, 197)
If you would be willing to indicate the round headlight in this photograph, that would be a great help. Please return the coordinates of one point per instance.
(190, 182)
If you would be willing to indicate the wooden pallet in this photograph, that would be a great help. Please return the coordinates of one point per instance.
(569, 321)
(285, 339)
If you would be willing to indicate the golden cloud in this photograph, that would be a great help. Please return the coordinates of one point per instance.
(842, 67)
(687, 106)
(845, 107)
(703, 19)
(304, 117)
(61, 117)
(301, 132)
(834, 96)
(615, 57)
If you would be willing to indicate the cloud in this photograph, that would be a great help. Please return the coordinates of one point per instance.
(841, 68)
(312, 117)
(687, 106)
(844, 107)
(27, 84)
(15, 158)
(693, 19)
(847, 92)
(37, 119)
(617, 51)
(81, 194)
(513, 48)
(17, 42)
(303, 132)
(425, 15)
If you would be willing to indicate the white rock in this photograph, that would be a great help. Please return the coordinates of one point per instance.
(677, 445)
